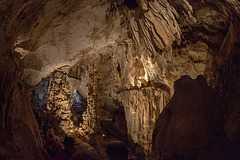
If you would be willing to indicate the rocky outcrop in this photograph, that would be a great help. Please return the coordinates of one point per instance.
(221, 76)
(132, 53)
(191, 125)
(59, 98)
(226, 82)
(141, 84)
(124, 51)
(20, 137)
(68, 32)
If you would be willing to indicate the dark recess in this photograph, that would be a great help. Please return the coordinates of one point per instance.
(131, 4)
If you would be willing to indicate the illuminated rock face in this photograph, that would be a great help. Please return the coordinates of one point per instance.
(59, 38)
(61, 103)
(64, 98)
(126, 75)
(153, 64)
(60, 100)
(132, 55)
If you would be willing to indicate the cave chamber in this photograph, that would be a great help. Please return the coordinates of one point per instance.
(161, 76)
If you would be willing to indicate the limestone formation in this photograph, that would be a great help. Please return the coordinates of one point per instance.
(127, 51)
(20, 137)
(191, 125)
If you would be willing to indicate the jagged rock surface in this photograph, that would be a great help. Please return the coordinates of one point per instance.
(20, 137)
(133, 51)
(191, 125)
(54, 96)
(127, 69)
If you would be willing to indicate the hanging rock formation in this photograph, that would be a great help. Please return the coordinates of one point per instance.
(125, 51)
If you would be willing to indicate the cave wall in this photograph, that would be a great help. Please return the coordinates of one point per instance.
(131, 54)
(191, 125)
(20, 137)
(223, 79)
(142, 85)
(137, 48)
(52, 98)
(208, 36)
(227, 84)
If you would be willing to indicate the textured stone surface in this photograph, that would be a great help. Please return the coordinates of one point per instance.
(63, 35)
(54, 96)
(20, 137)
(134, 52)
(226, 82)
(191, 125)
(159, 51)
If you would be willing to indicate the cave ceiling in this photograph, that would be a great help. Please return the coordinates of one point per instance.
(63, 32)
(127, 52)
(49, 35)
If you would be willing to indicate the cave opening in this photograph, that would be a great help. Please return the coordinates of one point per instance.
(131, 4)
(79, 106)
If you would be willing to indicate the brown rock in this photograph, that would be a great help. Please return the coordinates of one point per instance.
(191, 123)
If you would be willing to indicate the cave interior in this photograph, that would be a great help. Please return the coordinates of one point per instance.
(161, 76)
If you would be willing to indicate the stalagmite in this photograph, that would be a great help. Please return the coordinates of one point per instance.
(122, 58)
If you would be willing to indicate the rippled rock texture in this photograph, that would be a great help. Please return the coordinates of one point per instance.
(129, 52)
(20, 137)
